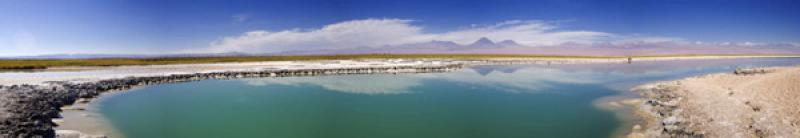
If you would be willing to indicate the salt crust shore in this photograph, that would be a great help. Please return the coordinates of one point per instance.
(29, 101)
(747, 103)
(92, 74)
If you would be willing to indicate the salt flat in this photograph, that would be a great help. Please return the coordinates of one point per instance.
(88, 74)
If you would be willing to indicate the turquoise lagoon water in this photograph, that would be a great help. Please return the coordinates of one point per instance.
(481, 102)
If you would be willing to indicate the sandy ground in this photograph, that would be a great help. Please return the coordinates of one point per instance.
(725, 105)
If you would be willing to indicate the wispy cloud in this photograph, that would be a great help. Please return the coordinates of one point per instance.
(238, 18)
(24, 40)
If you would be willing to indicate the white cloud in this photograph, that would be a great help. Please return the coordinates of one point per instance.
(388, 32)
(371, 85)
(529, 79)
(350, 34)
(530, 33)
(383, 32)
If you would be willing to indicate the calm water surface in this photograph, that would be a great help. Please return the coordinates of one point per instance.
(482, 101)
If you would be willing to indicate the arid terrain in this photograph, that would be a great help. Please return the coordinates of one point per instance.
(745, 103)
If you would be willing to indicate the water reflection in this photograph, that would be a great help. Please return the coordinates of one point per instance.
(529, 78)
(361, 84)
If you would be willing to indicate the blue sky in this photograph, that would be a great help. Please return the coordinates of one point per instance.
(33, 27)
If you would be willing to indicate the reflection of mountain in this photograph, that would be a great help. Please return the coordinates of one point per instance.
(485, 70)
(361, 84)
(507, 78)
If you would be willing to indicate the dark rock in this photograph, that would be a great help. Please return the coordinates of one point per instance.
(741, 71)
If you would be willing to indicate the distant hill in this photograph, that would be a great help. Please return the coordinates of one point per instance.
(487, 46)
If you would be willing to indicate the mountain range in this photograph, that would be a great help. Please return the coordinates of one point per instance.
(487, 46)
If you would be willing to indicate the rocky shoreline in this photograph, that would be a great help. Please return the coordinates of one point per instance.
(661, 112)
(758, 102)
(29, 109)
